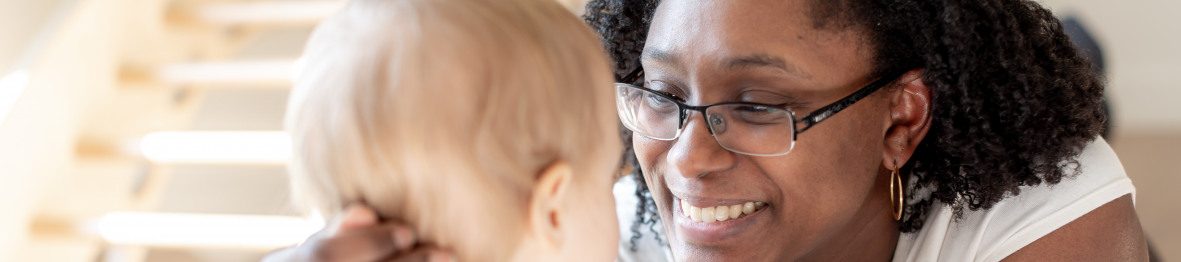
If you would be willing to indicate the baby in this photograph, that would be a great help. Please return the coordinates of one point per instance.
(488, 125)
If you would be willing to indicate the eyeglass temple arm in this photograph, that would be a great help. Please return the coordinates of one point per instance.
(631, 78)
(827, 111)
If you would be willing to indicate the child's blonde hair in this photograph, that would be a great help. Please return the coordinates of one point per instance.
(399, 104)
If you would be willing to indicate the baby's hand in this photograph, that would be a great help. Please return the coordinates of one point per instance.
(359, 238)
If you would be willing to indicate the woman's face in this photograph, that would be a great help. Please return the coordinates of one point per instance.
(818, 197)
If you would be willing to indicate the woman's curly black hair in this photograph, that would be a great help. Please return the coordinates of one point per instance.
(1013, 102)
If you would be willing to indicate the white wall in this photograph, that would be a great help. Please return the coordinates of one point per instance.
(37, 137)
(1141, 41)
(22, 22)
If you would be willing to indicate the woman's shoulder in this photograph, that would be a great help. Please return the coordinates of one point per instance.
(1018, 221)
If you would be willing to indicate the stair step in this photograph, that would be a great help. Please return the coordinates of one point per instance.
(269, 12)
(234, 72)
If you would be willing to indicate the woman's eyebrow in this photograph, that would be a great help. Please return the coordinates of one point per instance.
(730, 63)
(658, 56)
(762, 60)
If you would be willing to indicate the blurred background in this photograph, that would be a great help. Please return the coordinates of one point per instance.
(149, 130)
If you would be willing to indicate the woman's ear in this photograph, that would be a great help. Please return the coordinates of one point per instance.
(910, 119)
(546, 212)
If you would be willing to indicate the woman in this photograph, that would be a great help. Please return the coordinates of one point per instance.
(993, 101)
(866, 131)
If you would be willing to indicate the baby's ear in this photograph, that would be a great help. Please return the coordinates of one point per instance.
(546, 215)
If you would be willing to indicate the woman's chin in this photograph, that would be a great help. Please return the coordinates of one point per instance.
(729, 240)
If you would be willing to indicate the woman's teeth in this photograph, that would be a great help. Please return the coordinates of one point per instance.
(719, 213)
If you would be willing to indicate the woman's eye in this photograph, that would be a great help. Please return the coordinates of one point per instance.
(665, 89)
(774, 99)
(754, 109)
(657, 101)
(673, 96)
(756, 114)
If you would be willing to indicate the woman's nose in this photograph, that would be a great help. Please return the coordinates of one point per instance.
(695, 153)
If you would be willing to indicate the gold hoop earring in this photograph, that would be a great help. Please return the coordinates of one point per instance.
(896, 194)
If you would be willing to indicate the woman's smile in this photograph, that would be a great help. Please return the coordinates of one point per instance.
(706, 221)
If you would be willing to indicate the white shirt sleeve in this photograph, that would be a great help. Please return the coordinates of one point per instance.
(1017, 221)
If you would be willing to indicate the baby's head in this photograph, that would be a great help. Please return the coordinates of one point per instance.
(487, 125)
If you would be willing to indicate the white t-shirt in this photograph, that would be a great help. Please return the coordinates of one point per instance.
(982, 235)
(1015, 222)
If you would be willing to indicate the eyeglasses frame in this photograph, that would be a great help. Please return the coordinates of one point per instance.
(808, 121)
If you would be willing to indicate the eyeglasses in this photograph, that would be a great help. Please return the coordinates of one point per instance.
(744, 128)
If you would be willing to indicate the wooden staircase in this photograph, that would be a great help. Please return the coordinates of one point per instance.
(106, 74)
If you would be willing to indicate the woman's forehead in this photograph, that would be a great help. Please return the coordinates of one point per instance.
(772, 19)
(724, 35)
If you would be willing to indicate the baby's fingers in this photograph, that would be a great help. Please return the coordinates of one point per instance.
(423, 254)
(360, 244)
